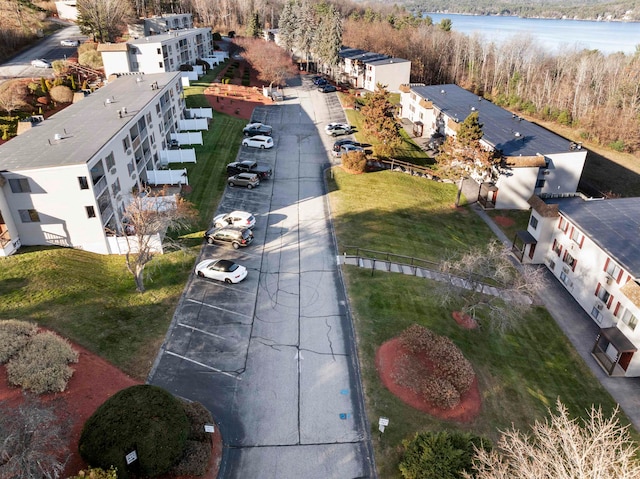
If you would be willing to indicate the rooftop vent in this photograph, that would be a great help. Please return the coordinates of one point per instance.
(57, 137)
(442, 92)
(517, 134)
(473, 108)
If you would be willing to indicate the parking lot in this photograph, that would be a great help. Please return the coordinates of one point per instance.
(273, 357)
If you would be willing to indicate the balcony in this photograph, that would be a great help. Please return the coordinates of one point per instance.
(100, 185)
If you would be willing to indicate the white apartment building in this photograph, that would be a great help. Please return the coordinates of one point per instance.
(363, 69)
(67, 180)
(157, 53)
(534, 160)
(161, 24)
(591, 247)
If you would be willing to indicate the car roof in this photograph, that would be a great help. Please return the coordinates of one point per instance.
(225, 263)
(261, 137)
(239, 213)
(245, 175)
(247, 162)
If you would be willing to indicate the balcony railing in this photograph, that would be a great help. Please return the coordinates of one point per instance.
(100, 185)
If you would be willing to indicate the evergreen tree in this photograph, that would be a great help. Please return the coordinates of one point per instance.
(328, 38)
(305, 28)
(470, 129)
(287, 25)
(254, 29)
(378, 120)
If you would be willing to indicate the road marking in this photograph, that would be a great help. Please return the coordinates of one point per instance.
(203, 365)
(216, 307)
(201, 331)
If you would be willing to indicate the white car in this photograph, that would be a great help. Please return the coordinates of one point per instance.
(330, 126)
(235, 218)
(40, 63)
(338, 129)
(69, 43)
(258, 141)
(347, 149)
(221, 270)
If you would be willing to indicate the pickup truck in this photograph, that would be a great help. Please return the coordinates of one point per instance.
(249, 166)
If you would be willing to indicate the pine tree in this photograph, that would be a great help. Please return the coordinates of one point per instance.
(378, 120)
(254, 29)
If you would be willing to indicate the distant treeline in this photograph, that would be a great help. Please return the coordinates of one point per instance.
(628, 10)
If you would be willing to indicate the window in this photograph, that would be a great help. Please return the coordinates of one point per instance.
(630, 320)
(84, 183)
(149, 118)
(115, 187)
(158, 108)
(126, 143)
(110, 161)
(159, 51)
(597, 314)
(540, 183)
(570, 260)
(577, 237)
(19, 185)
(602, 294)
(563, 224)
(557, 247)
(160, 64)
(131, 167)
(91, 212)
(613, 270)
(29, 216)
(533, 222)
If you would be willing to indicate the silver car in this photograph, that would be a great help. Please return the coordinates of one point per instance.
(40, 63)
(244, 179)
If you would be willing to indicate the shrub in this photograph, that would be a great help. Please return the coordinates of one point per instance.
(246, 82)
(96, 473)
(42, 365)
(59, 67)
(34, 88)
(444, 375)
(217, 37)
(195, 459)
(91, 59)
(439, 455)
(61, 94)
(87, 47)
(617, 145)
(44, 88)
(198, 416)
(14, 335)
(145, 417)
(354, 161)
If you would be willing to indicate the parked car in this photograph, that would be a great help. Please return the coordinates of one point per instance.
(235, 218)
(345, 141)
(340, 129)
(253, 129)
(69, 43)
(258, 141)
(235, 235)
(320, 81)
(249, 166)
(40, 63)
(250, 180)
(327, 89)
(174, 144)
(346, 149)
(221, 270)
(332, 125)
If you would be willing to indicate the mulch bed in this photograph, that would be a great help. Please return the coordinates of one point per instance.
(388, 359)
(94, 381)
(503, 221)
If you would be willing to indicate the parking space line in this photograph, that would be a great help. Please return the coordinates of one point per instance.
(193, 328)
(204, 365)
(216, 307)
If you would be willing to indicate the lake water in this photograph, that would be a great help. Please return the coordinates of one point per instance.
(608, 37)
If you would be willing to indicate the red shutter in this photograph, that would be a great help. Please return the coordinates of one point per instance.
(555, 242)
(610, 301)
(575, 262)
(581, 241)
(571, 234)
(617, 310)
(597, 289)
(619, 276)
(606, 265)
(560, 223)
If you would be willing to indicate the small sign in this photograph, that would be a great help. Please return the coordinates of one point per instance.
(132, 456)
(382, 423)
(209, 428)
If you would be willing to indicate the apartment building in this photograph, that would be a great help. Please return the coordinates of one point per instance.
(68, 180)
(591, 247)
(533, 160)
(161, 24)
(364, 69)
(157, 53)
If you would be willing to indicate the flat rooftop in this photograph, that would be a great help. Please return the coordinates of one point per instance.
(84, 127)
(512, 135)
(614, 225)
(163, 37)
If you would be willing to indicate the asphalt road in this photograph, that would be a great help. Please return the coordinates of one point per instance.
(273, 358)
(48, 48)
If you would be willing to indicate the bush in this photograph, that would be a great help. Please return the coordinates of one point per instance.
(87, 47)
(354, 161)
(198, 416)
(439, 455)
(96, 473)
(91, 59)
(144, 417)
(197, 453)
(217, 37)
(617, 145)
(246, 82)
(42, 365)
(59, 67)
(14, 335)
(443, 376)
(61, 94)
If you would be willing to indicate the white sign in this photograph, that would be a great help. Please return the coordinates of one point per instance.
(209, 428)
(132, 456)
(382, 423)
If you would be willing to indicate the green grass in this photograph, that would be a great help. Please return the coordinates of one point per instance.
(521, 372)
(520, 219)
(402, 214)
(91, 298)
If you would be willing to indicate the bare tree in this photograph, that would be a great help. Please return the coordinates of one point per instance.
(562, 447)
(103, 19)
(144, 224)
(13, 96)
(491, 266)
(272, 63)
(32, 440)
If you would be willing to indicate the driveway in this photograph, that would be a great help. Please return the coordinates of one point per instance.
(273, 358)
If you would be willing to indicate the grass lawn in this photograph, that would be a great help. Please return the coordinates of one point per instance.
(91, 298)
(519, 219)
(521, 373)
